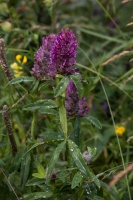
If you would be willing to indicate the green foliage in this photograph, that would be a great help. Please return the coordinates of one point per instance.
(49, 163)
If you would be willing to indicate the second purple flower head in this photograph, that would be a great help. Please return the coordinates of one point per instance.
(57, 55)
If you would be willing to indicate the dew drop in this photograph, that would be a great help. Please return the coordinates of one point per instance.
(71, 149)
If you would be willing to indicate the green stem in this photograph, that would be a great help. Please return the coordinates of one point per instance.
(107, 13)
(112, 121)
(77, 136)
(34, 124)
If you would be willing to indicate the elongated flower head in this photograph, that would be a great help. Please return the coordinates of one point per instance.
(57, 55)
(42, 58)
(63, 53)
(74, 106)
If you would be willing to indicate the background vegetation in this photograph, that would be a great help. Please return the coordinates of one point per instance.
(104, 58)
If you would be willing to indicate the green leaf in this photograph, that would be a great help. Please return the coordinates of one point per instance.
(21, 79)
(41, 172)
(37, 175)
(43, 86)
(18, 158)
(34, 146)
(54, 158)
(92, 151)
(25, 168)
(113, 192)
(1, 111)
(38, 195)
(48, 111)
(47, 103)
(95, 179)
(34, 86)
(2, 164)
(127, 87)
(3, 144)
(77, 157)
(63, 118)
(52, 136)
(35, 181)
(77, 131)
(61, 86)
(101, 35)
(94, 121)
(78, 84)
(76, 180)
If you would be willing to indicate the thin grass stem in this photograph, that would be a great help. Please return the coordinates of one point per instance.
(113, 121)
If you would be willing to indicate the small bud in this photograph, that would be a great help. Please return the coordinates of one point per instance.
(53, 175)
(87, 157)
(6, 26)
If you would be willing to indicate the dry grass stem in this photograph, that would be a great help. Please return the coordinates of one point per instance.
(130, 24)
(6, 118)
(129, 139)
(3, 61)
(9, 183)
(21, 99)
(120, 175)
(125, 1)
(116, 56)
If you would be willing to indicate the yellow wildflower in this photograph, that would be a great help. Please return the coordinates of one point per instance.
(15, 66)
(18, 70)
(21, 59)
(120, 130)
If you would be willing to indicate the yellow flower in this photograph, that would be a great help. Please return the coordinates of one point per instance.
(18, 70)
(21, 59)
(120, 130)
(16, 75)
(15, 66)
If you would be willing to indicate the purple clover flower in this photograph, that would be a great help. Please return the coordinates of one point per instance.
(42, 58)
(74, 106)
(57, 55)
(63, 53)
(53, 175)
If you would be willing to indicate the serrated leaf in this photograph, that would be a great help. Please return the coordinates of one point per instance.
(76, 180)
(54, 158)
(77, 157)
(21, 79)
(38, 195)
(94, 121)
(78, 84)
(61, 86)
(25, 168)
(41, 104)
